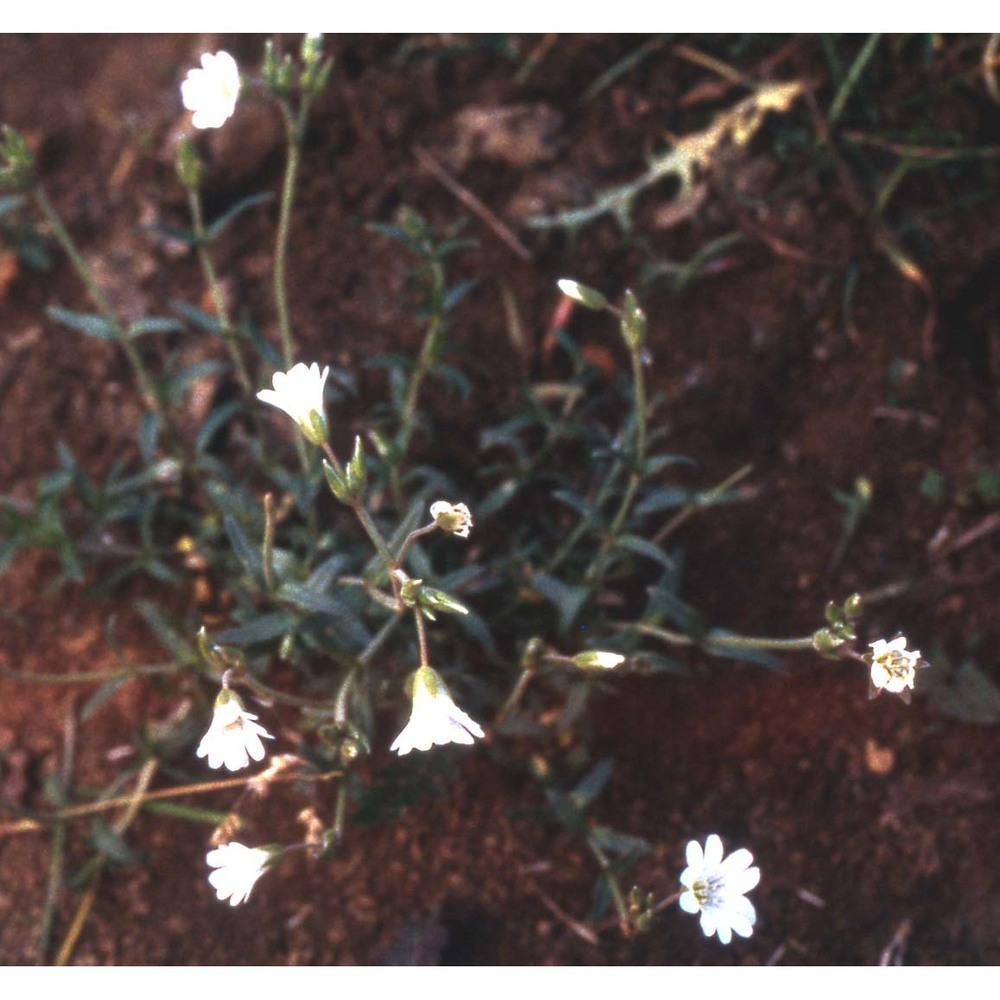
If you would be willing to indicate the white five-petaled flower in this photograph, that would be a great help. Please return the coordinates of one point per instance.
(717, 889)
(237, 868)
(299, 392)
(453, 517)
(893, 667)
(234, 735)
(211, 92)
(434, 719)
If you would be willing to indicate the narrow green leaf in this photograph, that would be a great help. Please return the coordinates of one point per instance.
(247, 553)
(257, 630)
(644, 548)
(233, 211)
(593, 784)
(566, 598)
(197, 317)
(153, 324)
(106, 691)
(112, 845)
(89, 323)
(620, 843)
(216, 419)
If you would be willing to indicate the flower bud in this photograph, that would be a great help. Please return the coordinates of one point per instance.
(357, 473)
(597, 660)
(589, 298)
(826, 642)
(17, 165)
(633, 323)
(853, 607)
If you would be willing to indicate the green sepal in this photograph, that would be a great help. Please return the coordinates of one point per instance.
(357, 472)
(437, 600)
(826, 642)
(633, 322)
(315, 427)
(337, 482)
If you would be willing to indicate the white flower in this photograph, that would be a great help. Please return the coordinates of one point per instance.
(893, 667)
(211, 92)
(299, 392)
(237, 868)
(434, 719)
(717, 888)
(232, 735)
(598, 659)
(453, 517)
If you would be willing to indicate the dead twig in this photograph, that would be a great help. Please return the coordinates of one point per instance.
(581, 930)
(471, 202)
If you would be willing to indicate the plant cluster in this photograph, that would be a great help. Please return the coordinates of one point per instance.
(363, 572)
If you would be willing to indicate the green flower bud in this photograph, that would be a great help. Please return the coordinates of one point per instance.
(276, 72)
(337, 482)
(409, 593)
(826, 642)
(853, 609)
(17, 165)
(633, 323)
(438, 600)
(315, 72)
(588, 297)
(357, 473)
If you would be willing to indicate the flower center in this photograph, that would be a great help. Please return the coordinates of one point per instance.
(707, 888)
(897, 666)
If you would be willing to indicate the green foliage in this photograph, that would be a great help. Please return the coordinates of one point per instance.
(310, 567)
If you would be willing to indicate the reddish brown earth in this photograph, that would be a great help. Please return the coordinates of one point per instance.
(870, 820)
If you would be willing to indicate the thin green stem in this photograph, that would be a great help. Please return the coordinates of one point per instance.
(702, 501)
(294, 127)
(428, 352)
(133, 803)
(267, 556)
(53, 888)
(358, 506)
(378, 640)
(88, 677)
(404, 549)
(343, 693)
(716, 642)
(371, 529)
(638, 467)
(418, 616)
(218, 297)
(340, 813)
(530, 662)
(152, 398)
(857, 68)
(616, 894)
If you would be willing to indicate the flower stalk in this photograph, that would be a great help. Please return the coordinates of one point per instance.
(151, 395)
(218, 297)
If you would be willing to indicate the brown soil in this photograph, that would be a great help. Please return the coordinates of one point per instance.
(870, 820)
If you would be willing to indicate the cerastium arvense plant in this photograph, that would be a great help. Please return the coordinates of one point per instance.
(352, 568)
